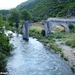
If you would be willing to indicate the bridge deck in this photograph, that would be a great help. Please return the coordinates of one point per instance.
(61, 19)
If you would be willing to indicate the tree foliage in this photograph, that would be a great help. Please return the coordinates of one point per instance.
(1, 20)
(14, 15)
(25, 15)
(54, 8)
(4, 12)
(1, 24)
(5, 49)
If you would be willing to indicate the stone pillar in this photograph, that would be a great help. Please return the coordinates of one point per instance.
(67, 29)
(47, 28)
(66, 25)
(25, 30)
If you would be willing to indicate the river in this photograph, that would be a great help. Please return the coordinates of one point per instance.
(32, 58)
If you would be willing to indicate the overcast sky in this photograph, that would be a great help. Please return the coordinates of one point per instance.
(8, 4)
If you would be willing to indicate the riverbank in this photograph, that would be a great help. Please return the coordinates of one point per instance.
(5, 48)
(53, 43)
(68, 51)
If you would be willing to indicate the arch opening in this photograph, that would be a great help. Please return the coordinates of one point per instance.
(58, 28)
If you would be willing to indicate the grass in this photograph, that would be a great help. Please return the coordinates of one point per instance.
(58, 28)
(71, 42)
(56, 48)
(59, 35)
(70, 39)
(37, 26)
(66, 59)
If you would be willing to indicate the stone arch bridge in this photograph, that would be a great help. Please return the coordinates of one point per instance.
(48, 25)
(52, 22)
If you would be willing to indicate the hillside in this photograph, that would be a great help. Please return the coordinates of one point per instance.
(4, 12)
(43, 9)
(30, 4)
(54, 8)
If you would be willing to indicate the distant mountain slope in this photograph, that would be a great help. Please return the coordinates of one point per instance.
(4, 12)
(54, 8)
(43, 9)
(30, 4)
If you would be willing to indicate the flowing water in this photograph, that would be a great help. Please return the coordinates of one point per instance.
(32, 58)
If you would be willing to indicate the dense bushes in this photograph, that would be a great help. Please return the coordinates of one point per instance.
(43, 32)
(5, 49)
(71, 42)
(72, 28)
(2, 62)
(55, 48)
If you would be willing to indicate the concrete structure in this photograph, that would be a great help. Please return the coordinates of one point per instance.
(52, 22)
(48, 25)
(25, 29)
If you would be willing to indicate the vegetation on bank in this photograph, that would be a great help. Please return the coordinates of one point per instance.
(5, 49)
(10, 23)
(5, 46)
(71, 37)
(49, 42)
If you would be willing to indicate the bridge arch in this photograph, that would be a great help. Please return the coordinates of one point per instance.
(58, 28)
(66, 28)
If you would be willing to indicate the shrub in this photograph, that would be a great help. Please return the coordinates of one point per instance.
(43, 32)
(2, 61)
(73, 30)
(59, 35)
(66, 59)
(55, 48)
(71, 26)
(71, 43)
(5, 49)
(6, 24)
(62, 54)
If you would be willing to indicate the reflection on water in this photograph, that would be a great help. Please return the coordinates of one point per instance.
(32, 58)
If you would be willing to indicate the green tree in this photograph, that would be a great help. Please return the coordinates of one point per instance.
(5, 49)
(1, 20)
(14, 16)
(25, 15)
(1, 24)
